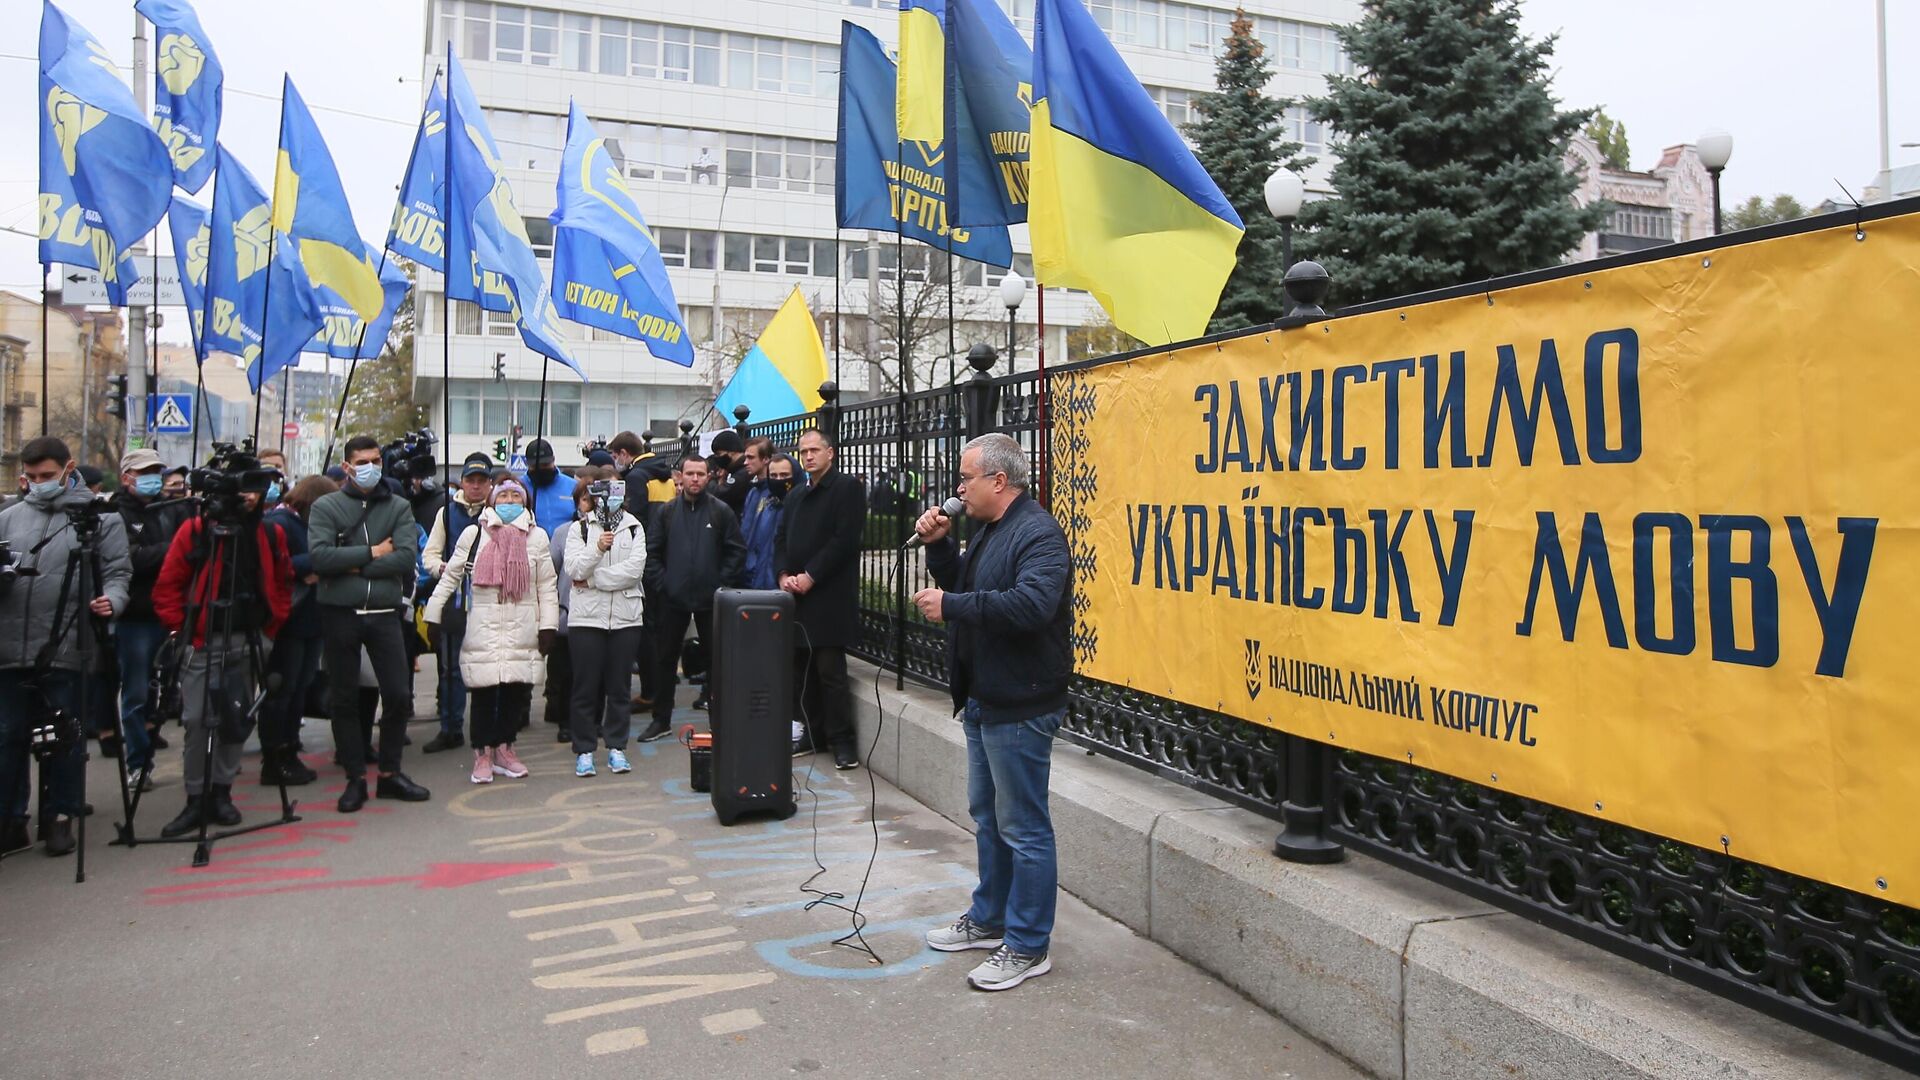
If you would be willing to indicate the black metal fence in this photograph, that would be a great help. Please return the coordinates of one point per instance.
(1838, 963)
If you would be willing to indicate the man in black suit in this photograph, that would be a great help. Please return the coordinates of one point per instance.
(817, 559)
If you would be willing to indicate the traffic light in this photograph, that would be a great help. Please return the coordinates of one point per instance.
(500, 449)
(117, 396)
(500, 367)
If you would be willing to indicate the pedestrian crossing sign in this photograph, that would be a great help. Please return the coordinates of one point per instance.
(172, 414)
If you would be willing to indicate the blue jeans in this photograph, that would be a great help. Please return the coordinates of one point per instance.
(453, 688)
(1007, 770)
(20, 708)
(135, 642)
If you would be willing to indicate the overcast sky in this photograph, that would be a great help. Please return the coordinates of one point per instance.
(1794, 85)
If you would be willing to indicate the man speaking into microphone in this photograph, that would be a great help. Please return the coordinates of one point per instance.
(1009, 658)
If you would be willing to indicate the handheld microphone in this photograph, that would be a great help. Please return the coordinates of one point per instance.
(950, 509)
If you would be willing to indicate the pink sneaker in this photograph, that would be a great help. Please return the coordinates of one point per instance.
(482, 767)
(507, 763)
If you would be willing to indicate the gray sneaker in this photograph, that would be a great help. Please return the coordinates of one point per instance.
(1006, 969)
(963, 935)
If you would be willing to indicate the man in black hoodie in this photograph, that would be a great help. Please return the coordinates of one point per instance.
(151, 520)
(693, 548)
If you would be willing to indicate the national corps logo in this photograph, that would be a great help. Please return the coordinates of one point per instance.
(1253, 669)
(181, 62)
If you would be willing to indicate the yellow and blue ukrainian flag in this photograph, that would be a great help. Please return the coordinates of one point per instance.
(922, 91)
(607, 269)
(310, 209)
(344, 335)
(187, 81)
(1120, 207)
(782, 373)
(105, 177)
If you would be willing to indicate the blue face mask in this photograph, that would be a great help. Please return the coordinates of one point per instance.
(47, 490)
(508, 513)
(147, 485)
(274, 493)
(365, 477)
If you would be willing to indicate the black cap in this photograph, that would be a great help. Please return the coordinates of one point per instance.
(728, 441)
(539, 452)
(477, 464)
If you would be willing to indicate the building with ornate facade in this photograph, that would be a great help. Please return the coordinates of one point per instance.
(1671, 202)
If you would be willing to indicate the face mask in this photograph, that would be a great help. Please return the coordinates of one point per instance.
(148, 485)
(508, 513)
(274, 493)
(366, 476)
(47, 490)
(779, 488)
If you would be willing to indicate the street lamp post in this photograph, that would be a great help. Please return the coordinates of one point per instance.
(1013, 293)
(1285, 191)
(1715, 147)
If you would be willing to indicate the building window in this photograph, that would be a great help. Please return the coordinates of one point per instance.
(1305, 130)
(500, 324)
(540, 236)
(466, 318)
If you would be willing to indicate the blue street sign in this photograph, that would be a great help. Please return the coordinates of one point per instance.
(517, 465)
(170, 414)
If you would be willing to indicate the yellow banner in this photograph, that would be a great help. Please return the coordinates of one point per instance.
(1637, 542)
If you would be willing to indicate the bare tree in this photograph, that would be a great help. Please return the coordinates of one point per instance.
(907, 316)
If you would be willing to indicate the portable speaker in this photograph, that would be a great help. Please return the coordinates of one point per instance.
(751, 705)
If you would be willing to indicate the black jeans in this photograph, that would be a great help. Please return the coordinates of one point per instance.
(496, 713)
(668, 631)
(560, 680)
(345, 634)
(297, 661)
(820, 679)
(602, 703)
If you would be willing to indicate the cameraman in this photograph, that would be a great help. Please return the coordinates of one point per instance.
(42, 616)
(151, 521)
(364, 540)
(223, 616)
(451, 519)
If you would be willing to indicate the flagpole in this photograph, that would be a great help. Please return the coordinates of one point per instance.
(266, 292)
(900, 447)
(199, 408)
(286, 391)
(46, 273)
(153, 322)
(839, 271)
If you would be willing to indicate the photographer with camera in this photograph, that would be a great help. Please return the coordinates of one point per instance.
(49, 600)
(606, 560)
(227, 582)
(514, 618)
(364, 547)
(151, 520)
(451, 519)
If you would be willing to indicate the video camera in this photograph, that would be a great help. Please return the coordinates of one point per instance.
(609, 499)
(598, 442)
(410, 457)
(230, 472)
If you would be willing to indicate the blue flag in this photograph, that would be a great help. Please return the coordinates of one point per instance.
(607, 271)
(486, 234)
(419, 229)
(344, 335)
(992, 75)
(105, 177)
(258, 303)
(186, 94)
(310, 211)
(188, 222)
(881, 183)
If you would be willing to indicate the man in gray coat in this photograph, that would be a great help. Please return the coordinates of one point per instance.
(43, 617)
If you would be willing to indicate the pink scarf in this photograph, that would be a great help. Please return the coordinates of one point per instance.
(504, 563)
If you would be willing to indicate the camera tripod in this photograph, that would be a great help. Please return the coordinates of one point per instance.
(225, 715)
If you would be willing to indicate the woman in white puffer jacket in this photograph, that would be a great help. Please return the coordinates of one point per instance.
(603, 632)
(511, 620)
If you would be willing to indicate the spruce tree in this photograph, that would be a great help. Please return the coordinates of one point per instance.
(1240, 141)
(1451, 166)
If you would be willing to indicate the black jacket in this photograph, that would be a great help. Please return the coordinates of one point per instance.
(729, 484)
(820, 532)
(692, 549)
(1009, 614)
(150, 524)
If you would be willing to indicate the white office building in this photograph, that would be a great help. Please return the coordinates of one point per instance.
(724, 112)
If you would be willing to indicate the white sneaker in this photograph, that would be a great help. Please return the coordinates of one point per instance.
(963, 935)
(1006, 969)
(617, 761)
(583, 765)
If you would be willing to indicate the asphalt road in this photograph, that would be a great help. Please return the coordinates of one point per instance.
(557, 926)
